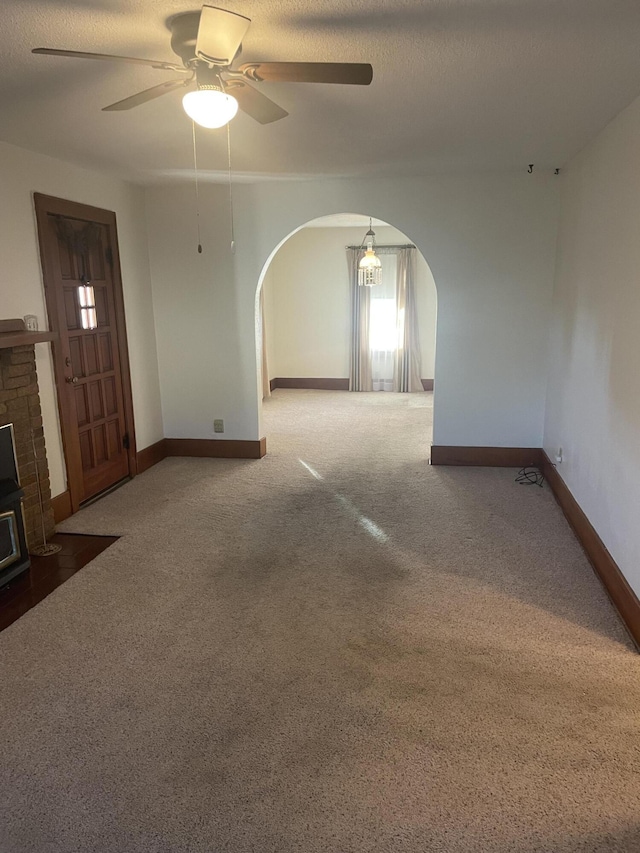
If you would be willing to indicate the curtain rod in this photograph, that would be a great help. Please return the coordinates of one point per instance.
(382, 246)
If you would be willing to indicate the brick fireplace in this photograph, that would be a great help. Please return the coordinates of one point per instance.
(20, 406)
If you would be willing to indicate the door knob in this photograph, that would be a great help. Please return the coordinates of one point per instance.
(72, 379)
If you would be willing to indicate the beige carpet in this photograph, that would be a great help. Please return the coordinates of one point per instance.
(336, 648)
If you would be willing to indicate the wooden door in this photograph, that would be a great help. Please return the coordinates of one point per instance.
(78, 247)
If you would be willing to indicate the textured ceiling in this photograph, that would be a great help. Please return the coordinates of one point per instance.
(459, 85)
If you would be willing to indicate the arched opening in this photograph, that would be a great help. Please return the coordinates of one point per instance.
(306, 326)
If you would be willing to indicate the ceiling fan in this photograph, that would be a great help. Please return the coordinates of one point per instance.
(207, 43)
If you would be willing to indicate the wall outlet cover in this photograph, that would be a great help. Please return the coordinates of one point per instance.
(218, 425)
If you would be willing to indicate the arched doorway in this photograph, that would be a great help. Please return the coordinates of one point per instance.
(304, 313)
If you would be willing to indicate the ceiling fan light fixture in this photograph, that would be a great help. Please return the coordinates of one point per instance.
(208, 41)
(209, 106)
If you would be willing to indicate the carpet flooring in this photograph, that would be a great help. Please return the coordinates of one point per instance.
(335, 648)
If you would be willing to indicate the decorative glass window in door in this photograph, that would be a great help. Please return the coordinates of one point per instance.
(87, 301)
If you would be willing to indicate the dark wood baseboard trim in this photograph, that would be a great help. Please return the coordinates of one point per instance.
(622, 596)
(61, 506)
(216, 448)
(324, 384)
(149, 456)
(205, 447)
(616, 585)
(312, 384)
(491, 457)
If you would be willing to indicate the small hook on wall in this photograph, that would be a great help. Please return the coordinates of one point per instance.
(530, 169)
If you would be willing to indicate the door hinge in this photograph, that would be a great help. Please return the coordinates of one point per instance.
(108, 253)
(125, 441)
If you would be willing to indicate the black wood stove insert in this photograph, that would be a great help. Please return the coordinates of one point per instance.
(14, 557)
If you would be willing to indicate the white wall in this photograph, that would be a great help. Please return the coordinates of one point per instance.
(205, 366)
(593, 402)
(489, 241)
(21, 291)
(307, 303)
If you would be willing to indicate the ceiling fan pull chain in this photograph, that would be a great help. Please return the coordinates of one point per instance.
(233, 238)
(195, 170)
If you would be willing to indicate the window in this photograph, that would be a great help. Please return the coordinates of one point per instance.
(383, 326)
(87, 301)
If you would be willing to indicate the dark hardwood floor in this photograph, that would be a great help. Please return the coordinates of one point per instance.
(47, 573)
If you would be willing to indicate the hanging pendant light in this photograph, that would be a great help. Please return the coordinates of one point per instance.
(370, 266)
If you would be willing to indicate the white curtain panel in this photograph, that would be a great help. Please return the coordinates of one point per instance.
(360, 359)
(407, 371)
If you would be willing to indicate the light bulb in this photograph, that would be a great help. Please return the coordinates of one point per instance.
(210, 107)
(370, 259)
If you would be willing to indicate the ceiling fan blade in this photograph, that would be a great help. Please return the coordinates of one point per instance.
(78, 54)
(254, 103)
(147, 95)
(220, 34)
(355, 73)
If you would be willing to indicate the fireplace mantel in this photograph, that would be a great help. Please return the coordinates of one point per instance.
(18, 339)
(14, 334)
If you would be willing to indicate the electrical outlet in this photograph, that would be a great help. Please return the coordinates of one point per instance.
(559, 455)
(218, 425)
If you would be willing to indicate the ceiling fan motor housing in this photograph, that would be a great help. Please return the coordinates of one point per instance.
(184, 34)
